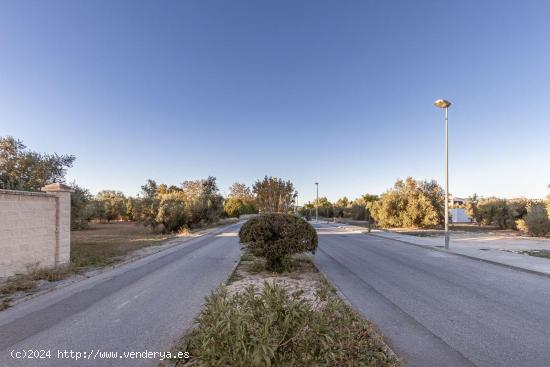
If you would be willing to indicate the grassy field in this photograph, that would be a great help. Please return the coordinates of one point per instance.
(106, 243)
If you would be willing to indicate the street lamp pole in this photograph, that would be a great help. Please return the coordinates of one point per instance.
(317, 203)
(441, 103)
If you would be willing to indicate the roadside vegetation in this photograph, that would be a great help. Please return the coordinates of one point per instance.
(531, 217)
(273, 315)
(413, 204)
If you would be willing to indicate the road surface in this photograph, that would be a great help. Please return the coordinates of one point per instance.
(141, 306)
(438, 309)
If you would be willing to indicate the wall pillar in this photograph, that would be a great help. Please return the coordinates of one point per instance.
(63, 221)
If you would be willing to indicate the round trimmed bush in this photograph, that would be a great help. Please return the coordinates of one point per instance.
(276, 236)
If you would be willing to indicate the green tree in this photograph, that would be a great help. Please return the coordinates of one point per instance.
(172, 213)
(326, 209)
(342, 202)
(242, 195)
(195, 203)
(113, 203)
(535, 222)
(274, 195)
(241, 191)
(22, 169)
(132, 208)
(472, 209)
(204, 200)
(410, 203)
(234, 207)
(80, 199)
(495, 211)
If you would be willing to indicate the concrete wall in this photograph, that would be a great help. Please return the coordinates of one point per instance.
(459, 215)
(35, 228)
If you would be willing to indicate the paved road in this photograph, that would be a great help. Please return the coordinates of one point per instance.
(144, 305)
(439, 309)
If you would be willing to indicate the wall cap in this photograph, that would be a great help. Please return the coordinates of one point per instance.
(57, 187)
(27, 193)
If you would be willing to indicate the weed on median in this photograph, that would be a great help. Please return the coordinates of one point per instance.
(276, 328)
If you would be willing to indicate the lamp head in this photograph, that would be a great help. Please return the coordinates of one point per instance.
(442, 103)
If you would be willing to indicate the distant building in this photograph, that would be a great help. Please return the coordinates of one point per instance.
(458, 215)
(458, 212)
(458, 201)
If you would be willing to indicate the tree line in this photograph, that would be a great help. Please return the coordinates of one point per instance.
(168, 208)
(529, 216)
(414, 203)
(192, 204)
(409, 203)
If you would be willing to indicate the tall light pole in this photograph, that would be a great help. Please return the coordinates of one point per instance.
(441, 103)
(317, 203)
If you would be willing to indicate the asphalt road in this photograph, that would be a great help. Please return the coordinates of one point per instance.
(141, 306)
(439, 309)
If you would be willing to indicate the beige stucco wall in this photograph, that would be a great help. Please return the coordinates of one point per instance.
(34, 228)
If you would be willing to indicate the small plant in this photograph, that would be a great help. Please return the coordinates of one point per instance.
(5, 304)
(235, 276)
(257, 266)
(277, 236)
(247, 256)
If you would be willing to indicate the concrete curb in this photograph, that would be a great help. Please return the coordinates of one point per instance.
(518, 268)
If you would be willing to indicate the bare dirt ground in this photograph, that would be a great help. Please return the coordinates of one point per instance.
(305, 280)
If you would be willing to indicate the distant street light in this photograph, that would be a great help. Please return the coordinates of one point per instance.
(441, 103)
(317, 203)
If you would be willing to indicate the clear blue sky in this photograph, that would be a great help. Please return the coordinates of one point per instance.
(338, 92)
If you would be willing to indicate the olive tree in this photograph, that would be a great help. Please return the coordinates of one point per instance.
(410, 203)
(22, 169)
(274, 195)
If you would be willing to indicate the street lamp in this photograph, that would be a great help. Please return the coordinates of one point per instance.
(441, 103)
(317, 203)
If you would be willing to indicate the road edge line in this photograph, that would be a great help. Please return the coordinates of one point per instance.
(346, 300)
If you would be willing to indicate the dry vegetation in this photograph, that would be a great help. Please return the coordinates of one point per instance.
(103, 244)
(289, 319)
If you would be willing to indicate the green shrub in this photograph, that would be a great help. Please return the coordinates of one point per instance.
(273, 328)
(535, 222)
(276, 236)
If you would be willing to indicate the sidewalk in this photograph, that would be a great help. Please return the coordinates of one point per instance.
(491, 249)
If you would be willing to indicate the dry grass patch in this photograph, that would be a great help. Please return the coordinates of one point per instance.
(28, 282)
(106, 243)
